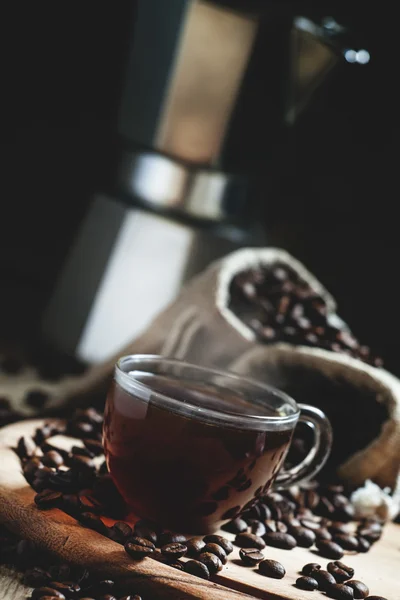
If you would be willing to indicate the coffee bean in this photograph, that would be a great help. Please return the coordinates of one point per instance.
(238, 525)
(94, 446)
(347, 542)
(338, 527)
(329, 549)
(257, 527)
(249, 540)
(310, 567)
(52, 459)
(82, 463)
(195, 546)
(324, 579)
(25, 447)
(363, 545)
(307, 583)
(305, 538)
(46, 591)
(217, 550)
(148, 530)
(370, 535)
(82, 451)
(322, 534)
(93, 522)
(177, 565)
(225, 544)
(251, 556)
(340, 591)
(48, 499)
(136, 551)
(211, 561)
(31, 467)
(340, 571)
(280, 540)
(197, 568)
(168, 537)
(310, 524)
(175, 550)
(272, 568)
(359, 588)
(68, 589)
(121, 531)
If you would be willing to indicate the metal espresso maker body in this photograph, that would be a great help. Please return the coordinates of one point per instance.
(211, 90)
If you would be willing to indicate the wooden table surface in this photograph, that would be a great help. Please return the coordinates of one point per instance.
(378, 568)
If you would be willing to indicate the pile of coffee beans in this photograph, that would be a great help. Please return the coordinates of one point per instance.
(336, 581)
(318, 516)
(58, 581)
(279, 306)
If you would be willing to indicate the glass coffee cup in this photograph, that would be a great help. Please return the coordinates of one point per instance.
(191, 447)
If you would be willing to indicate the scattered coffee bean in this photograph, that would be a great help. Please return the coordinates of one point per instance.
(25, 447)
(307, 583)
(95, 446)
(89, 520)
(138, 548)
(174, 551)
(68, 589)
(48, 499)
(225, 544)
(363, 545)
(256, 527)
(347, 542)
(52, 459)
(249, 540)
(238, 525)
(251, 556)
(217, 550)
(329, 549)
(197, 568)
(211, 561)
(168, 537)
(323, 534)
(325, 579)
(122, 531)
(340, 571)
(280, 540)
(359, 588)
(195, 546)
(148, 530)
(303, 536)
(340, 591)
(272, 568)
(310, 567)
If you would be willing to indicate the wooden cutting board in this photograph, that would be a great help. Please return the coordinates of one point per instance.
(61, 534)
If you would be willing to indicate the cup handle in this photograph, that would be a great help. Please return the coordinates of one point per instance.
(316, 458)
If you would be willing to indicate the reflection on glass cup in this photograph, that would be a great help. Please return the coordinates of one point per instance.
(191, 447)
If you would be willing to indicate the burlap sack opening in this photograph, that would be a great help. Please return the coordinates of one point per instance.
(362, 403)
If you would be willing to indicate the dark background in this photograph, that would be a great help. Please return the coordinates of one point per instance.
(332, 192)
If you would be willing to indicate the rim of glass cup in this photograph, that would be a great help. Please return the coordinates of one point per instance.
(130, 384)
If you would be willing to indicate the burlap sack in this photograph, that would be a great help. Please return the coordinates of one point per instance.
(362, 401)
